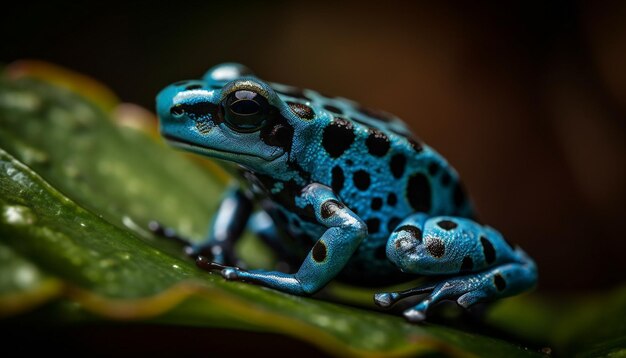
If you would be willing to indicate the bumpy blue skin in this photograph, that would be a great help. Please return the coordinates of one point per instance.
(338, 190)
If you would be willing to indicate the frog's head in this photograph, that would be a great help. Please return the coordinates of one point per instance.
(228, 115)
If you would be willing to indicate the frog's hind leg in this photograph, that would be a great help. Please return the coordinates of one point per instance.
(478, 263)
(228, 225)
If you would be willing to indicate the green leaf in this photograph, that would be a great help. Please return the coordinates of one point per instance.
(76, 194)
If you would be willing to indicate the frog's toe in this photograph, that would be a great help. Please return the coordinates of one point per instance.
(231, 273)
(204, 263)
(383, 299)
(413, 315)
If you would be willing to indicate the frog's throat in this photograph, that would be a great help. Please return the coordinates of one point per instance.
(220, 154)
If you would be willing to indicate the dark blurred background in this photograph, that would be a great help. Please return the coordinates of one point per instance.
(527, 99)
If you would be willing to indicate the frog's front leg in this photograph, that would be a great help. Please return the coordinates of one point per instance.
(228, 225)
(329, 255)
(479, 263)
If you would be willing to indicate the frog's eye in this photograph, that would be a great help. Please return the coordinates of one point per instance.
(245, 111)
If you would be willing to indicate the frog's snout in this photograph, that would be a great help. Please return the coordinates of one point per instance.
(165, 102)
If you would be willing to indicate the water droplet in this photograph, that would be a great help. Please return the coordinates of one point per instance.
(123, 255)
(18, 215)
(175, 266)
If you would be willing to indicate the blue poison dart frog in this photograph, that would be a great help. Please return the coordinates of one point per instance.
(338, 190)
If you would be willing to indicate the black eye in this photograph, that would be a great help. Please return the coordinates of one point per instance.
(245, 111)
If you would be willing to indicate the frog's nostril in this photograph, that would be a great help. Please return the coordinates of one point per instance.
(177, 110)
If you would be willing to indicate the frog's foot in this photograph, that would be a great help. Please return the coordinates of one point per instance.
(388, 299)
(501, 281)
(478, 263)
(207, 264)
(278, 280)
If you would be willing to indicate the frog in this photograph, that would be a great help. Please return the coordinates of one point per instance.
(338, 191)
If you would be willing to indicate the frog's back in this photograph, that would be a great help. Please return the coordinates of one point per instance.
(376, 166)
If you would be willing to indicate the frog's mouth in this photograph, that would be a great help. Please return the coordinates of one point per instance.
(216, 153)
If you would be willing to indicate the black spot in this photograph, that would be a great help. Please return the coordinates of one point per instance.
(333, 109)
(277, 133)
(447, 224)
(373, 225)
(319, 251)
(376, 203)
(418, 192)
(413, 230)
(435, 248)
(375, 113)
(417, 146)
(337, 179)
(193, 87)
(488, 250)
(198, 109)
(380, 253)
(337, 137)
(433, 169)
(458, 195)
(392, 199)
(330, 207)
(498, 280)
(285, 197)
(392, 223)
(349, 162)
(377, 143)
(301, 110)
(293, 92)
(296, 223)
(467, 264)
(445, 179)
(361, 179)
(397, 164)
